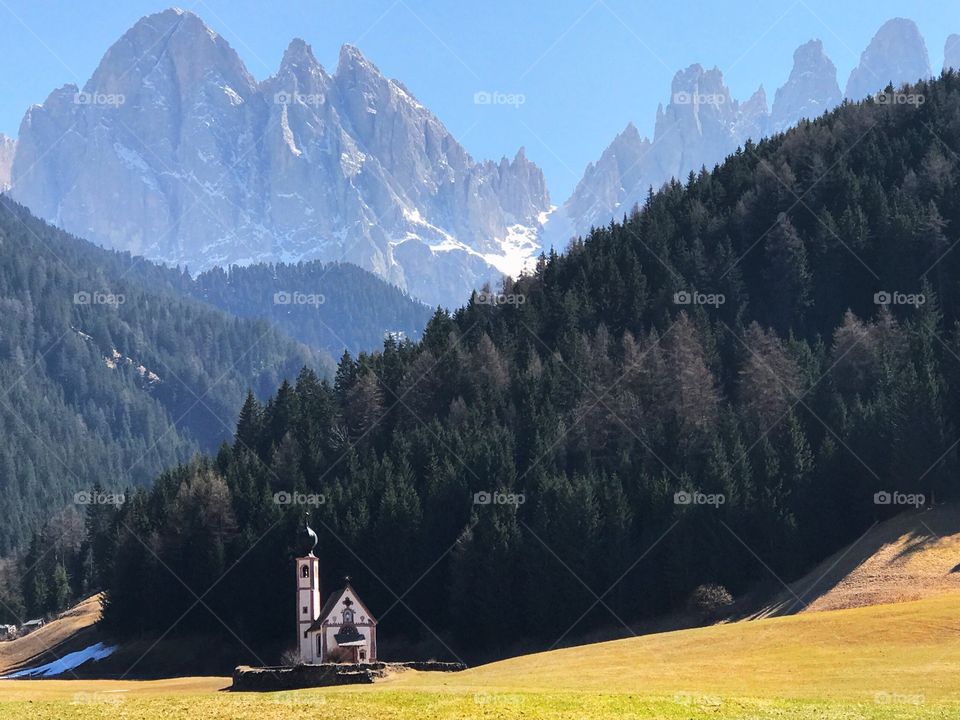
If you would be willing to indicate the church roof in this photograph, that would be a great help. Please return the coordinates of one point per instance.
(331, 603)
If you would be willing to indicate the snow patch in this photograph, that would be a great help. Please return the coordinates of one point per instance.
(67, 663)
(232, 95)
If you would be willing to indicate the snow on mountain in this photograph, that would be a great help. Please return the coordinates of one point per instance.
(174, 151)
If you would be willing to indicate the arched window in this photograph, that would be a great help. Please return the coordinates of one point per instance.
(347, 616)
(305, 571)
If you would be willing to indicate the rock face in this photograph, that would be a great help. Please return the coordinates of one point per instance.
(810, 90)
(176, 152)
(897, 54)
(951, 53)
(700, 126)
(7, 149)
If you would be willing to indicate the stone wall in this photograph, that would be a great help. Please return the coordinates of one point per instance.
(271, 679)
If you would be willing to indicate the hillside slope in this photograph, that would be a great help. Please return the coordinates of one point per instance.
(71, 630)
(908, 650)
(104, 378)
(909, 557)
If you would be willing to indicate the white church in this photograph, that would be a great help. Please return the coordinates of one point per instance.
(340, 630)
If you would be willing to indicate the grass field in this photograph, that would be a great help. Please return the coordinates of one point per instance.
(888, 661)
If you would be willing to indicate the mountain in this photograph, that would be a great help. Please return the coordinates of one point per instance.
(810, 90)
(700, 126)
(108, 380)
(603, 188)
(8, 147)
(896, 55)
(951, 53)
(329, 306)
(691, 134)
(177, 153)
(699, 377)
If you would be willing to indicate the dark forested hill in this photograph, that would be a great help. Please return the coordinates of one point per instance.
(724, 388)
(104, 381)
(331, 306)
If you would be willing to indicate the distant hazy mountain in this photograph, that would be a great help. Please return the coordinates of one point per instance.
(702, 124)
(951, 53)
(7, 149)
(176, 152)
(897, 54)
(810, 90)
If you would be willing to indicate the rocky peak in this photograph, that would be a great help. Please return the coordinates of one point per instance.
(951, 53)
(606, 183)
(752, 117)
(300, 73)
(298, 54)
(810, 90)
(173, 42)
(201, 165)
(897, 54)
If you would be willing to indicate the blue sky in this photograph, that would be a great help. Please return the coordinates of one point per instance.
(584, 67)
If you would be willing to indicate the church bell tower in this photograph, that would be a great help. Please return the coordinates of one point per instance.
(308, 596)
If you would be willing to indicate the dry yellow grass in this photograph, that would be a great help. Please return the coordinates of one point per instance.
(907, 650)
(891, 661)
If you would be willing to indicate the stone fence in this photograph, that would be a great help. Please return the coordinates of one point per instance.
(270, 679)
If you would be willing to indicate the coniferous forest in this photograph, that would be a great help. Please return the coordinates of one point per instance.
(105, 377)
(777, 336)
